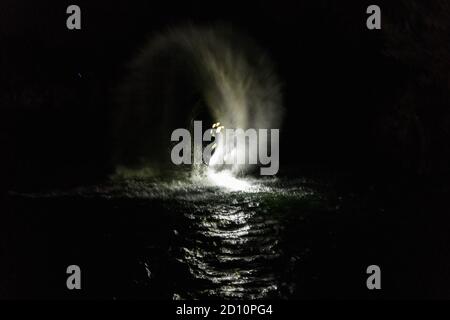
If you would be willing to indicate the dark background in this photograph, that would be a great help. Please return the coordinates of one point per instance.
(371, 102)
(370, 108)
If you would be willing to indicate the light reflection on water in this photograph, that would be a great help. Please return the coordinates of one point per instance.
(228, 241)
(228, 246)
(231, 240)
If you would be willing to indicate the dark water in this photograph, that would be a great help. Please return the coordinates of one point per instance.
(143, 238)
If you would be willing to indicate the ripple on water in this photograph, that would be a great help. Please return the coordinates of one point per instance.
(226, 239)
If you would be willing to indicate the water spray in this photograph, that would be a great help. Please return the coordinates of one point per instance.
(191, 73)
